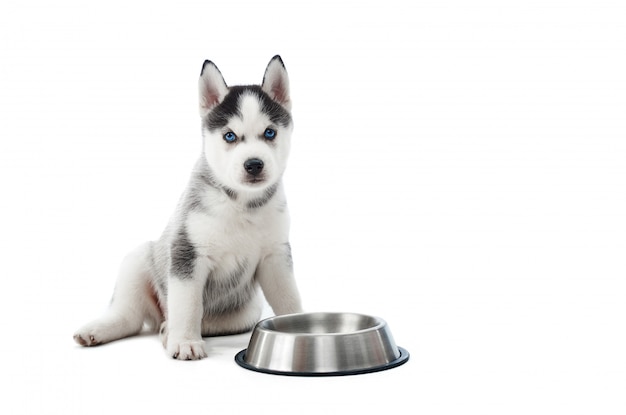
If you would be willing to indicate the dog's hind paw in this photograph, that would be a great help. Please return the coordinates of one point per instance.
(99, 332)
(86, 339)
(186, 350)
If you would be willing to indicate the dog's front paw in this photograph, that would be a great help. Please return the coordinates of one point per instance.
(186, 349)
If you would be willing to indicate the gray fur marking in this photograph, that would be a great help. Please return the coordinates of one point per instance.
(183, 256)
(224, 294)
(204, 174)
(288, 251)
(262, 201)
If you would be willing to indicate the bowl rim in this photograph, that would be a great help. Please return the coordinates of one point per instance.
(380, 324)
(240, 359)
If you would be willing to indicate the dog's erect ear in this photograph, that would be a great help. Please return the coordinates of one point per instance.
(211, 87)
(276, 82)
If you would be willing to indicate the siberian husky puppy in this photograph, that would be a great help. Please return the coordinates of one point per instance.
(229, 234)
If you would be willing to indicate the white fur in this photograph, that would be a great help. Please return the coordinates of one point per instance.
(134, 305)
(184, 304)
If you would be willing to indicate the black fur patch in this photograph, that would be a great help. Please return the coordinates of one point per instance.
(183, 256)
(219, 117)
(277, 113)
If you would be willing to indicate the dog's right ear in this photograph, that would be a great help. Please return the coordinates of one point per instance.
(211, 87)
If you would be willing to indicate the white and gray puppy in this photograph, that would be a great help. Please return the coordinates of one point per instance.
(229, 234)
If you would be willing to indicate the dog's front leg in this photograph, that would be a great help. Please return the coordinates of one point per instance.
(275, 276)
(184, 316)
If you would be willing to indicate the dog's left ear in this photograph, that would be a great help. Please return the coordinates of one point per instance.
(276, 82)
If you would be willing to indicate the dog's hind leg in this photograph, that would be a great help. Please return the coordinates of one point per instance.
(134, 302)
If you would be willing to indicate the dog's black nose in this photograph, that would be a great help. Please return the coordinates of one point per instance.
(253, 166)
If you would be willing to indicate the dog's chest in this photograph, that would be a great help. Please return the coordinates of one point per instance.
(228, 243)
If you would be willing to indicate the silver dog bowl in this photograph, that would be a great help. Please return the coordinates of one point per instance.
(321, 344)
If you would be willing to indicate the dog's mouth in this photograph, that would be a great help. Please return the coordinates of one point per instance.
(255, 180)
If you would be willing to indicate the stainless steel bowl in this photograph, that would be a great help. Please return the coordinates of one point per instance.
(321, 344)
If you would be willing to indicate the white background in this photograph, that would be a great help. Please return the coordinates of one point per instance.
(458, 168)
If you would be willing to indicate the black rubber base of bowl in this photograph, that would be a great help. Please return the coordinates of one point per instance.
(402, 359)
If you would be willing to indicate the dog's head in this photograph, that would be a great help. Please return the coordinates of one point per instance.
(246, 129)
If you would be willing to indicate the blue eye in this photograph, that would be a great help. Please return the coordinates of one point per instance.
(230, 137)
(269, 134)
